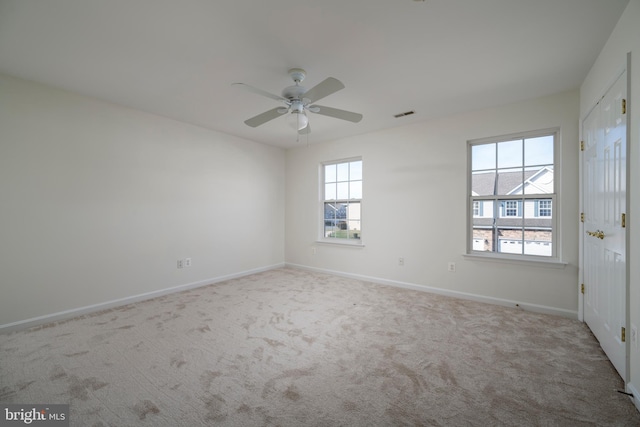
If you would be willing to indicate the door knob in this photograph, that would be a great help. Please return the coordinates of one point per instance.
(599, 234)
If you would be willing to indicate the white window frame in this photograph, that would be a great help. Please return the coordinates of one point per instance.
(509, 206)
(555, 257)
(545, 208)
(476, 208)
(348, 241)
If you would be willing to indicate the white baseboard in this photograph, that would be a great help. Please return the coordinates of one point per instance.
(456, 294)
(636, 395)
(80, 311)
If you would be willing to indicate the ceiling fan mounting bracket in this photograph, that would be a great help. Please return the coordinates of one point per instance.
(297, 74)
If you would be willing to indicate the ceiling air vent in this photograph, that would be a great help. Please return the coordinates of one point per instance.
(406, 113)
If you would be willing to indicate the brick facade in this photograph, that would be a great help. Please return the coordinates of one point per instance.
(529, 235)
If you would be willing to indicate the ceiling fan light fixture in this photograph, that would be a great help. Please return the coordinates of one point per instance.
(298, 120)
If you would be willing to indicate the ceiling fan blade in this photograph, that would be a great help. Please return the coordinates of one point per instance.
(305, 130)
(259, 91)
(264, 117)
(322, 89)
(339, 114)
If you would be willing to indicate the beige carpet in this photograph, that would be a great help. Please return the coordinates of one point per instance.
(293, 348)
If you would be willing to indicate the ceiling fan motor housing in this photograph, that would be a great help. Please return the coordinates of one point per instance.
(293, 92)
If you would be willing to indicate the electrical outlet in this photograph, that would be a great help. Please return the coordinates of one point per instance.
(313, 250)
(401, 262)
(451, 267)
(187, 262)
(180, 263)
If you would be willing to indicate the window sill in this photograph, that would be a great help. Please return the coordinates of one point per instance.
(346, 243)
(522, 261)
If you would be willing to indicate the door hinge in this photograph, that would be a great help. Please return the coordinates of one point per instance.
(582, 288)
(581, 145)
(623, 220)
(582, 217)
(624, 106)
(623, 334)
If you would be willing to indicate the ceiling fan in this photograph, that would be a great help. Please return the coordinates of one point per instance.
(298, 101)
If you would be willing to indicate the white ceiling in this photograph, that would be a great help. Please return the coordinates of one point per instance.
(178, 58)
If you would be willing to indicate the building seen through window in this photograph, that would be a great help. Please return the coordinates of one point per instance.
(342, 200)
(512, 193)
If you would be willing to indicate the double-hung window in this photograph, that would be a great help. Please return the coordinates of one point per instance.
(512, 196)
(342, 201)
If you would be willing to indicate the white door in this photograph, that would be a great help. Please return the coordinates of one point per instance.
(604, 169)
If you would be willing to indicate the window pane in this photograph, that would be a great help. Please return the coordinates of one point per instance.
(540, 248)
(334, 216)
(330, 173)
(355, 190)
(510, 241)
(538, 151)
(343, 171)
(509, 182)
(538, 180)
(482, 238)
(538, 236)
(483, 157)
(353, 211)
(483, 183)
(483, 209)
(538, 228)
(330, 211)
(538, 213)
(510, 154)
(343, 190)
(509, 227)
(530, 208)
(330, 191)
(355, 170)
(353, 221)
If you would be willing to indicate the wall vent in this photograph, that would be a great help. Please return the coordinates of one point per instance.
(406, 113)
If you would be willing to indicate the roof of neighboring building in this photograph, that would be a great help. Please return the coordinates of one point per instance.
(486, 184)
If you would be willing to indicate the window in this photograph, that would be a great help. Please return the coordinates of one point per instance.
(476, 209)
(510, 207)
(544, 208)
(342, 200)
(511, 195)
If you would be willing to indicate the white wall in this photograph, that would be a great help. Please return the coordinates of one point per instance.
(98, 202)
(414, 206)
(625, 38)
